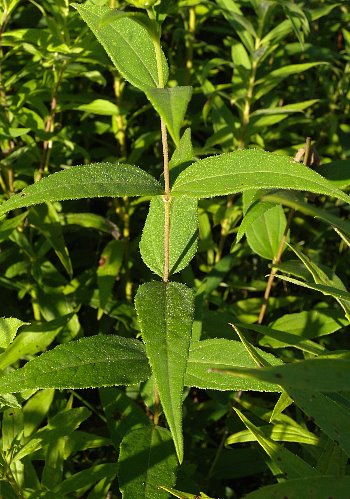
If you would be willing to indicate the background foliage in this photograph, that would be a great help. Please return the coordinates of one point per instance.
(264, 74)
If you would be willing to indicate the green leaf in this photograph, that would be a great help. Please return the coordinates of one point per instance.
(247, 169)
(165, 312)
(183, 152)
(306, 324)
(45, 219)
(10, 225)
(337, 172)
(329, 411)
(60, 425)
(279, 338)
(280, 432)
(147, 460)
(183, 234)
(255, 211)
(8, 330)
(171, 105)
(95, 180)
(320, 374)
(33, 339)
(338, 294)
(310, 487)
(110, 262)
(293, 201)
(85, 478)
(128, 44)
(265, 233)
(102, 107)
(223, 354)
(185, 495)
(86, 363)
(291, 465)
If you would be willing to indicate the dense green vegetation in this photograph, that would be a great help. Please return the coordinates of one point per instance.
(175, 309)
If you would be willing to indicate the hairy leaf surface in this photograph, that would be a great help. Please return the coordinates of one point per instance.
(147, 459)
(250, 169)
(95, 180)
(128, 44)
(165, 313)
(183, 234)
(86, 363)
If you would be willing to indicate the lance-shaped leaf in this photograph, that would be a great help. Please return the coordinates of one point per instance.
(87, 363)
(165, 312)
(330, 411)
(147, 460)
(171, 105)
(250, 169)
(320, 374)
(91, 181)
(128, 44)
(310, 487)
(183, 234)
(290, 464)
(224, 354)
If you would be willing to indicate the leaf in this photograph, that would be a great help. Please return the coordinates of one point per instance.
(280, 432)
(310, 487)
(182, 154)
(329, 411)
(103, 107)
(338, 294)
(165, 312)
(265, 233)
(95, 180)
(128, 44)
(86, 363)
(223, 354)
(45, 219)
(185, 495)
(110, 262)
(33, 339)
(250, 169)
(9, 226)
(291, 465)
(337, 172)
(60, 425)
(306, 324)
(8, 330)
(266, 84)
(279, 338)
(319, 374)
(147, 460)
(255, 211)
(183, 234)
(293, 201)
(85, 478)
(171, 105)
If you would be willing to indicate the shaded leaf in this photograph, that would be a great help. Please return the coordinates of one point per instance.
(310, 487)
(147, 460)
